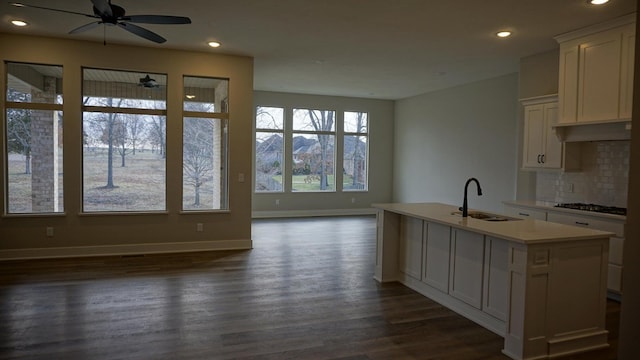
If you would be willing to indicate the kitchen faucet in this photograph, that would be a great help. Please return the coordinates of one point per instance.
(465, 208)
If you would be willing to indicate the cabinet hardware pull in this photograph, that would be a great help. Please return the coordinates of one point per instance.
(539, 159)
(542, 157)
(582, 223)
(523, 214)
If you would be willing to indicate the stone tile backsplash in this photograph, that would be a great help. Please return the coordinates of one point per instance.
(603, 179)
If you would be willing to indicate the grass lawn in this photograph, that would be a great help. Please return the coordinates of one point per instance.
(139, 186)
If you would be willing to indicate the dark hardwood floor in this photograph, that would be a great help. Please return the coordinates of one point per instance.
(306, 291)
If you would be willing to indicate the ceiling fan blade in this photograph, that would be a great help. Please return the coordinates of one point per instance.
(85, 27)
(103, 7)
(142, 32)
(17, 4)
(157, 19)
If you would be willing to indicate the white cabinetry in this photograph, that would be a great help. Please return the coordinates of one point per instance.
(542, 149)
(467, 259)
(614, 281)
(410, 246)
(596, 72)
(525, 212)
(495, 284)
(614, 275)
(436, 256)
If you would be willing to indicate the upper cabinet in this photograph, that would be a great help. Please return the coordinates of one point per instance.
(596, 73)
(541, 147)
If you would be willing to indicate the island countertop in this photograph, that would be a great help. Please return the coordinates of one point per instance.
(525, 231)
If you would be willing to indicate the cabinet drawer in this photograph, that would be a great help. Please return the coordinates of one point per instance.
(587, 221)
(525, 213)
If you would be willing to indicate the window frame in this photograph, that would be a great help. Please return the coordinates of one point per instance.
(30, 106)
(357, 134)
(283, 162)
(222, 115)
(128, 111)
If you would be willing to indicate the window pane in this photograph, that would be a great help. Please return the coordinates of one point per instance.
(202, 94)
(313, 120)
(313, 162)
(355, 122)
(34, 83)
(355, 163)
(34, 139)
(204, 164)
(269, 118)
(124, 141)
(123, 162)
(124, 89)
(269, 146)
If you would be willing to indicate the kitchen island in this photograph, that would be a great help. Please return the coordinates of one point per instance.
(540, 285)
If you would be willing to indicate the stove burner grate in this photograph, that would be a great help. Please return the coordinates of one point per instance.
(594, 207)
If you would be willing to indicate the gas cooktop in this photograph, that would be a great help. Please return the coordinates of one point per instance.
(595, 208)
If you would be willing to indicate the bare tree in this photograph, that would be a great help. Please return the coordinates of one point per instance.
(198, 153)
(358, 151)
(156, 134)
(322, 121)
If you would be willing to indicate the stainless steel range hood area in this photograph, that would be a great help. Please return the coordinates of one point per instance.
(600, 131)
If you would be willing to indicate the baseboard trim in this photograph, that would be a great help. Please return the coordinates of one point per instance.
(128, 249)
(312, 213)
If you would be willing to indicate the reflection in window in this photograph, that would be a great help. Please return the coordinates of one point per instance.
(124, 141)
(33, 131)
(204, 146)
(269, 149)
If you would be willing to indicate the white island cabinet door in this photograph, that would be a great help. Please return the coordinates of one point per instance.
(496, 269)
(437, 250)
(466, 268)
(410, 246)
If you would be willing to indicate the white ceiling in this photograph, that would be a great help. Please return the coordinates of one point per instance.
(359, 48)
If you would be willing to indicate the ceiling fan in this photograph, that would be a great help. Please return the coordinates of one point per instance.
(114, 15)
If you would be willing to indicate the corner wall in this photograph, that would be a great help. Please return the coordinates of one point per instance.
(443, 138)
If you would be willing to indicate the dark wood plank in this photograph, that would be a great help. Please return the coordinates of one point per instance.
(306, 291)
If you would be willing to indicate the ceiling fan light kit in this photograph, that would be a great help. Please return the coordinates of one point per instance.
(114, 15)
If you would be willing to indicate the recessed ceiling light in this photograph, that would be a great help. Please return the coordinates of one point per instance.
(18, 23)
(598, 2)
(214, 44)
(503, 34)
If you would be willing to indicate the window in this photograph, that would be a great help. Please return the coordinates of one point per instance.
(355, 151)
(33, 135)
(124, 141)
(269, 149)
(313, 150)
(204, 151)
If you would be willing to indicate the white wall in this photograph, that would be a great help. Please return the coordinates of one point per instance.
(334, 203)
(445, 137)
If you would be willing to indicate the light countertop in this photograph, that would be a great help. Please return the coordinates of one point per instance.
(549, 206)
(525, 231)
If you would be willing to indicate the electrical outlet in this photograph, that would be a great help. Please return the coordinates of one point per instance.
(277, 202)
(199, 227)
(241, 177)
(353, 200)
(49, 231)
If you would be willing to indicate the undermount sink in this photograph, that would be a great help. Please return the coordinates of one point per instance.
(485, 216)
